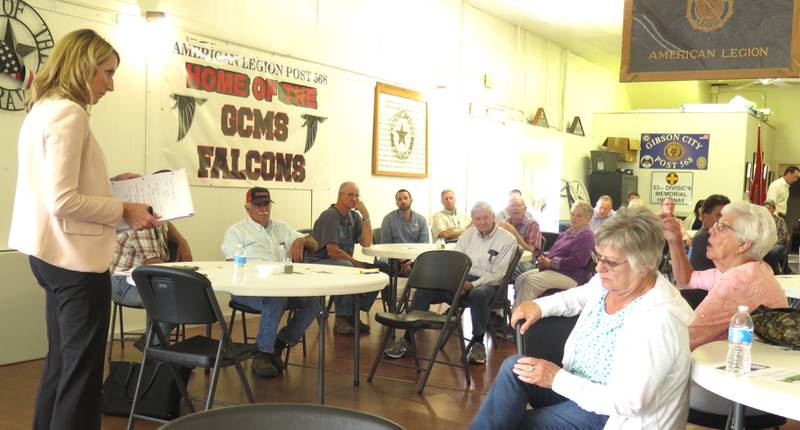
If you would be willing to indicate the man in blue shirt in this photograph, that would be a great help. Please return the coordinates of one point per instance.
(404, 225)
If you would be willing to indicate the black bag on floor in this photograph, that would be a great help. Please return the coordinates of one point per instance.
(159, 396)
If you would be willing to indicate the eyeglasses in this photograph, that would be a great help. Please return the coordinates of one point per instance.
(611, 265)
(720, 226)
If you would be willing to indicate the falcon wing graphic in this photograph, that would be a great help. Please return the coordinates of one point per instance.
(311, 124)
(187, 105)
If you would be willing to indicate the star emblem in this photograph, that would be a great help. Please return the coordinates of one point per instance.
(401, 134)
(21, 49)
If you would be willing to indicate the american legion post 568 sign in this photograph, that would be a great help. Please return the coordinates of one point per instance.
(674, 151)
(25, 44)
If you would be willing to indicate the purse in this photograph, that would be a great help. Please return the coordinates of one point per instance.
(777, 326)
(159, 396)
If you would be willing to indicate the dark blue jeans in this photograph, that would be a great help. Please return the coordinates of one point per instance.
(477, 300)
(272, 308)
(505, 406)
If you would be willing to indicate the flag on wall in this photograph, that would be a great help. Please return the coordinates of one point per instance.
(758, 190)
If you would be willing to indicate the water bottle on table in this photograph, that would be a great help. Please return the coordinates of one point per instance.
(287, 260)
(239, 261)
(740, 337)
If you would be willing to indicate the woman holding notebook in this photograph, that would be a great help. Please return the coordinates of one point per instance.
(65, 219)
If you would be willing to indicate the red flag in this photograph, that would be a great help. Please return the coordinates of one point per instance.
(758, 188)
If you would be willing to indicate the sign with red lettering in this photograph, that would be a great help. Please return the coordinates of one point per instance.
(237, 117)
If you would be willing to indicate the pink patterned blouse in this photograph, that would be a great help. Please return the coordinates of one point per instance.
(751, 284)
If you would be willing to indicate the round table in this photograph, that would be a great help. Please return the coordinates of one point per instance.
(790, 285)
(267, 279)
(757, 390)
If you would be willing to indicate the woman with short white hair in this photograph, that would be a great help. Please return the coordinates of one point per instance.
(738, 242)
(736, 245)
(565, 264)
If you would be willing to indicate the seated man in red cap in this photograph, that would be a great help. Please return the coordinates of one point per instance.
(270, 240)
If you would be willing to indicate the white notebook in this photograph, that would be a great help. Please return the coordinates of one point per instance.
(168, 193)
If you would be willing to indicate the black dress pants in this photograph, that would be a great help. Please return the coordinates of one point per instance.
(77, 311)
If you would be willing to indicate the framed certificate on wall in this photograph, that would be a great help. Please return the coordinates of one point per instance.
(400, 133)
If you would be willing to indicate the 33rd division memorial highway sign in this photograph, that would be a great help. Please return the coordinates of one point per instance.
(666, 40)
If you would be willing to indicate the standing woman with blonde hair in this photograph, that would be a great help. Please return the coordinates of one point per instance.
(65, 219)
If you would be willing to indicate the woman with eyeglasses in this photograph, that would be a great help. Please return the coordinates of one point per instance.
(738, 241)
(626, 363)
(736, 245)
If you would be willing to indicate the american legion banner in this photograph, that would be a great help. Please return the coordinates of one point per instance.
(238, 117)
(709, 39)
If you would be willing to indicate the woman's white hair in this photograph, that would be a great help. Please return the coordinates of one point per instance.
(636, 232)
(752, 223)
(583, 207)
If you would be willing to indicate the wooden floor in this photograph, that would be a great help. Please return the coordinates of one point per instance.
(446, 403)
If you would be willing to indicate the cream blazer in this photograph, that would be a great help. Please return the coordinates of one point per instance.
(63, 210)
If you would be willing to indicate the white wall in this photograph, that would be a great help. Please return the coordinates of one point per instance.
(733, 139)
(417, 44)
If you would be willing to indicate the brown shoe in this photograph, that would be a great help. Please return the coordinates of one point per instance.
(263, 364)
(343, 325)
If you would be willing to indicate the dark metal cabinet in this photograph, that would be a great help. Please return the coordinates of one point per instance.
(614, 184)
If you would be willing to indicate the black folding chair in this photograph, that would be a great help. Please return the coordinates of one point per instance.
(180, 296)
(549, 240)
(439, 271)
(545, 339)
(500, 300)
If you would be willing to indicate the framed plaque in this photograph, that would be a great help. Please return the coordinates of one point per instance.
(400, 133)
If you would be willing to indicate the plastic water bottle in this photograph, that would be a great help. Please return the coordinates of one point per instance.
(240, 256)
(740, 337)
(239, 261)
(287, 261)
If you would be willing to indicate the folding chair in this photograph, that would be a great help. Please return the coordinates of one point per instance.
(180, 296)
(549, 240)
(433, 270)
(500, 300)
